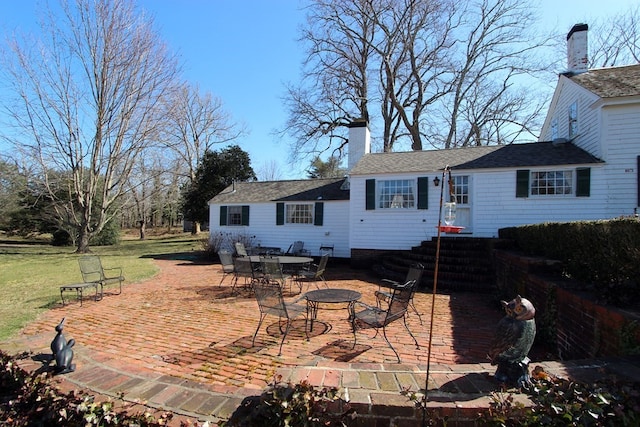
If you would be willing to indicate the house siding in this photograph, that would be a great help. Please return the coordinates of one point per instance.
(262, 225)
(391, 229)
(495, 205)
(621, 141)
(588, 118)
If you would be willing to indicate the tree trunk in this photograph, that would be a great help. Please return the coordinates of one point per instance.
(142, 229)
(83, 241)
(195, 228)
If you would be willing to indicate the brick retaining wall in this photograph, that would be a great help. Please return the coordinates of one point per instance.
(571, 323)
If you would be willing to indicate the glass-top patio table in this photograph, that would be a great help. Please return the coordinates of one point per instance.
(330, 296)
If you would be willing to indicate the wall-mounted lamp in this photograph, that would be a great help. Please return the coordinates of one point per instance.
(436, 181)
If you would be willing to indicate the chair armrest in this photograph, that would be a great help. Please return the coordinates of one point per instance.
(114, 268)
(391, 282)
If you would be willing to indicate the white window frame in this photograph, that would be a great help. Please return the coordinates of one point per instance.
(299, 213)
(461, 189)
(234, 215)
(555, 183)
(396, 194)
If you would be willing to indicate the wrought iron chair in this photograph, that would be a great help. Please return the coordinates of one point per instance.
(271, 270)
(93, 272)
(242, 269)
(226, 261)
(378, 318)
(271, 302)
(297, 249)
(414, 273)
(240, 249)
(312, 275)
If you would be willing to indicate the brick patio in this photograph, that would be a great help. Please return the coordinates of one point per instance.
(180, 341)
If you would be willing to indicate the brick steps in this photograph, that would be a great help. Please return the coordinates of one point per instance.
(465, 264)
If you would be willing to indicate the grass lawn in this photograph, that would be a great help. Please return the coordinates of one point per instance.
(31, 272)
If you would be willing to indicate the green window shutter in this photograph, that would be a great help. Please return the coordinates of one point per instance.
(423, 192)
(318, 215)
(223, 215)
(245, 215)
(280, 213)
(583, 182)
(522, 183)
(370, 194)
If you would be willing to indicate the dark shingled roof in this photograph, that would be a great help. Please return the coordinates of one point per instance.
(611, 82)
(283, 191)
(486, 157)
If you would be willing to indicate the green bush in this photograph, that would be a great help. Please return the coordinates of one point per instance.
(603, 256)
(109, 235)
(561, 402)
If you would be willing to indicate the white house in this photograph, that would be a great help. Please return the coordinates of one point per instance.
(584, 167)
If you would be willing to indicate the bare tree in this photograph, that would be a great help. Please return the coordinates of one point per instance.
(485, 105)
(269, 171)
(442, 73)
(615, 40)
(197, 121)
(87, 98)
(339, 35)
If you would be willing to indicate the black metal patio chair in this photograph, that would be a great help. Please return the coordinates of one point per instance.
(379, 318)
(270, 302)
(413, 274)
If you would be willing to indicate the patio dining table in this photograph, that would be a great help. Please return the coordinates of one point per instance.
(286, 259)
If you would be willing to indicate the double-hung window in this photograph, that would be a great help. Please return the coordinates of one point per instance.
(545, 183)
(234, 215)
(396, 194)
(301, 213)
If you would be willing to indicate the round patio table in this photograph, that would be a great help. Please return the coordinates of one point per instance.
(286, 259)
(330, 296)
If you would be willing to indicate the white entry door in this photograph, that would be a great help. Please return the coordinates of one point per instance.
(462, 192)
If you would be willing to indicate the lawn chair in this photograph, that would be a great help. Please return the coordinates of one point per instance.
(415, 274)
(312, 275)
(93, 272)
(271, 270)
(226, 260)
(297, 249)
(240, 249)
(271, 302)
(242, 269)
(378, 318)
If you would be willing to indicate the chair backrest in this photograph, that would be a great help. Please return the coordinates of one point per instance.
(271, 268)
(270, 300)
(415, 273)
(226, 258)
(322, 265)
(400, 301)
(91, 268)
(242, 267)
(240, 249)
(297, 247)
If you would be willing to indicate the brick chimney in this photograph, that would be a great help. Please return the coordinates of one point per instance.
(577, 49)
(359, 141)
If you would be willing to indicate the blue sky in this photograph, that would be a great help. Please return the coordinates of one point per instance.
(244, 51)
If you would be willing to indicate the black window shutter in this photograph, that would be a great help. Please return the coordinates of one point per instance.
(423, 192)
(522, 183)
(318, 215)
(370, 194)
(583, 182)
(279, 213)
(223, 215)
(245, 215)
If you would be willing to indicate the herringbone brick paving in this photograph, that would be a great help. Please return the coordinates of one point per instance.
(179, 340)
